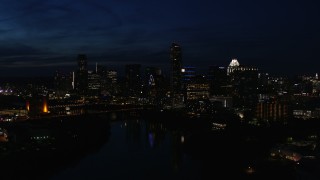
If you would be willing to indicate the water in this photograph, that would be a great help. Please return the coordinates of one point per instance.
(119, 146)
(133, 151)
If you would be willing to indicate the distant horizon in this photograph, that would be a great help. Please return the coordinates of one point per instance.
(29, 72)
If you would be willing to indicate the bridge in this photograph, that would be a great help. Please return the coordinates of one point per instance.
(66, 110)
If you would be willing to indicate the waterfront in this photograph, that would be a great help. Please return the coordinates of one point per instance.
(137, 150)
(145, 146)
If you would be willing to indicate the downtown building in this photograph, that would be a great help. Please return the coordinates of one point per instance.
(244, 82)
(198, 89)
(219, 81)
(94, 83)
(62, 84)
(133, 80)
(272, 111)
(154, 86)
(109, 81)
(81, 76)
(176, 93)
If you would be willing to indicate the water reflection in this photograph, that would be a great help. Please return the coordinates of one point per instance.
(133, 132)
(177, 153)
(155, 133)
(144, 149)
(121, 146)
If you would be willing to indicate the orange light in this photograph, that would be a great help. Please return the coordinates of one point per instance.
(45, 106)
(28, 106)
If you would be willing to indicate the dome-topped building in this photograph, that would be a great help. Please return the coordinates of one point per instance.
(234, 63)
(235, 66)
(232, 66)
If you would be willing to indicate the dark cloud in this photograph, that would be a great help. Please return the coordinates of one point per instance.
(50, 33)
(17, 49)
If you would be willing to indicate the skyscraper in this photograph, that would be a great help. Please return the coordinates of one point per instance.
(153, 85)
(133, 79)
(94, 83)
(198, 88)
(188, 73)
(108, 80)
(82, 75)
(176, 74)
(62, 84)
(244, 80)
(219, 80)
(82, 62)
(234, 64)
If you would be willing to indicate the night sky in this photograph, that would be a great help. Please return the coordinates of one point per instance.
(39, 36)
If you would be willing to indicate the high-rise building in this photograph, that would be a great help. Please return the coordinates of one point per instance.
(198, 88)
(153, 84)
(244, 80)
(234, 64)
(133, 79)
(94, 83)
(151, 74)
(188, 73)
(219, 81)
(112, 76)
(176, 74)
(112, 80)
(81, 82)
(82, 62)
(62, 84)
(108, 81)
(272, 110)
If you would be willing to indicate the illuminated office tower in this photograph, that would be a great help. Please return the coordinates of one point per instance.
(244, 80)
(108, 80)
(94, 83)
(198, 88)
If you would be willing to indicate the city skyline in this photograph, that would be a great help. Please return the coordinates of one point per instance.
(39, 37)
(159, 89)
